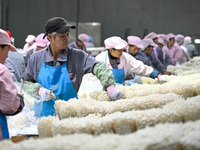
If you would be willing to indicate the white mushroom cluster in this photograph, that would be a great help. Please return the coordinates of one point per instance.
(152, 116)
(177, 136)
(84, 107)
(191, 67)
(186, 86)
(126, 122)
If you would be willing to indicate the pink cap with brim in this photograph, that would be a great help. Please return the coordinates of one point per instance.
(179, 37)
(5, 40)
(151, 35)
(39, 41)
(30, 38)
(188, 39)
(146, 42)
(84, 38)
(136, 41)
(115, 42)
(161, 41)
(170, 36)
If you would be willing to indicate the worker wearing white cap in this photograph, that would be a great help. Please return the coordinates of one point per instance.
(122, 63)
(11, 102)
(61, 66)
(82, 43)
(150, 58)
(30, 43)
(190, 47)
(173, 49)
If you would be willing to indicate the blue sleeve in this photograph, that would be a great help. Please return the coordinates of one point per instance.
(156, 63)
(167, 60)
(154, 74)
(160, 54)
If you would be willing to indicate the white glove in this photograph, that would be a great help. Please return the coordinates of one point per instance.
(114, 93)
(46, 94)
(162, 79)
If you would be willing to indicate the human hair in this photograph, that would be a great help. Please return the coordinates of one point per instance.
(53, 34)
(3, 46)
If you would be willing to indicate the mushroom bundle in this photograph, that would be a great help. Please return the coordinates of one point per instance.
(84, 107)
(176, 136)
(123, 123)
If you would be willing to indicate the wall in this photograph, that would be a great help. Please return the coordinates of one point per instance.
(118, 17)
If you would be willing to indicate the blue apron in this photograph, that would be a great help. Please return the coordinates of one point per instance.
(118, 73)
(49, 77)
(4, 127)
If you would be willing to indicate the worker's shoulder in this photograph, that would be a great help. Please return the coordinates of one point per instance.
(126, 55)
(72, 51)
(102, 54)
(40, 52)
(38, 55)
(3, 70)
(2, 67)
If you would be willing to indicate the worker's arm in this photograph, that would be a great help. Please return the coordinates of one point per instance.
(104, 74)
(11, 102)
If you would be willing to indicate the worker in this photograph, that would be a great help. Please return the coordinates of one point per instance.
(40, 43)
(64, 67)
(91, 44)
(157, 51)
(149, 57)
(185, 55)
(30, 44)
(82, 43)
(122, 63)
(165, 59)
(11, 102)
(173, 49)
(15, 63)
(190, 47)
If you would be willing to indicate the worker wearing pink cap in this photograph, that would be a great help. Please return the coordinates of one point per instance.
(30, 43)
(11, 102)
(15, 62)
(82, 43)
(190, 47)
(157, 51)
(40, 43)
(150, 58)
(122, 63)
(165, 58)
(185, 55)
(173, 49)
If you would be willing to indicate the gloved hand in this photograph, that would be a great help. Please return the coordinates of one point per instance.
(46, 94)
(162, 79)
(114, 93)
